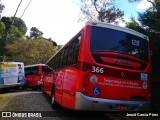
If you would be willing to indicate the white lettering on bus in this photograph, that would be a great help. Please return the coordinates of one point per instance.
(97, 69)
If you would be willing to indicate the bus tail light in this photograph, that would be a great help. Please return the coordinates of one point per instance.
(85, 81)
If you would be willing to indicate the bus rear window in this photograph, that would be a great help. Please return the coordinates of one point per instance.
(31, 71)
(105, 40)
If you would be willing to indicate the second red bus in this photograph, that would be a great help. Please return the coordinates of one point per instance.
(33, 74)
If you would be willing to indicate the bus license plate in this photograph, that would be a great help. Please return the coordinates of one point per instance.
(121, 107)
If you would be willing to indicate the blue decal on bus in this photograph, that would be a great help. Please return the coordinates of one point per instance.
(96, 91)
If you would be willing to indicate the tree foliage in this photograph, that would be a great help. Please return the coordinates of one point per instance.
(32, 51)
(2, 34)
(7, 21)
(35, 33)
(148, 23)
(20, 24)
(10, 30)
(16, 22)
(1, 8)
(101, 10)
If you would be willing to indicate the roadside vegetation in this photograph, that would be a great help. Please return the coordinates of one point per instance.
(16, 46)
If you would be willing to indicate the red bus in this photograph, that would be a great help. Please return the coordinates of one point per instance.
(103, 67)
(33, 74)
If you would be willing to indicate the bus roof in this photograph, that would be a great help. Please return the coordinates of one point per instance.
(115, 27)
(34, 65)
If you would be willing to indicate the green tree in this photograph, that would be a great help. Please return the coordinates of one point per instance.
(136, 26)
(10, 30)
(20, 24)
(35, 33)
(31, 51)
(1, 8)
(2, 33)
(2, 29)
(7, 21)
(100, 10)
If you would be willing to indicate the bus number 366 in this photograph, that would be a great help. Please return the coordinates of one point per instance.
(97, 69)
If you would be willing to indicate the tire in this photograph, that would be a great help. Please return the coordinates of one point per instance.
(35, 88)
(55, 105)
(43, 92)
(21, 88)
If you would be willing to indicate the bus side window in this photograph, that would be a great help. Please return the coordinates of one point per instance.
(27, 71)
(34, 70)
(48, 70)
(66, 56)
(61, 59)
(74, 50)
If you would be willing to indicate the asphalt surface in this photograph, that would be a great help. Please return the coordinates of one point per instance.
(24, 103)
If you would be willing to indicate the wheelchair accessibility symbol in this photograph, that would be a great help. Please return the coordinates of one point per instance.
(96, 91)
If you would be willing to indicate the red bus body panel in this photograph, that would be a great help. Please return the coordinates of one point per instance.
(32, 80)
(48, 82)
(65, 82)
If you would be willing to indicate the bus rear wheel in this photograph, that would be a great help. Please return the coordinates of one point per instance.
(55, 105)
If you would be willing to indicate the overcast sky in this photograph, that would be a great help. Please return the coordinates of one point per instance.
(58, 19)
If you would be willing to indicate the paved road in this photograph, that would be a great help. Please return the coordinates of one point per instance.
(36, 101)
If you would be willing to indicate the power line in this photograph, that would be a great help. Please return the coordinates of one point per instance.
(26, 8)
(17, 9)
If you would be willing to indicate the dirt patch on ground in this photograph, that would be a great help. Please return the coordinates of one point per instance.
(6, 98)
(24, 101)
(4, 101)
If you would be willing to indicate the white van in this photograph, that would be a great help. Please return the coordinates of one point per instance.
(12, 74)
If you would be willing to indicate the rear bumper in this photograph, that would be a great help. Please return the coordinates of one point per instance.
(34, 84)
(98, 104)
(14, 85)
